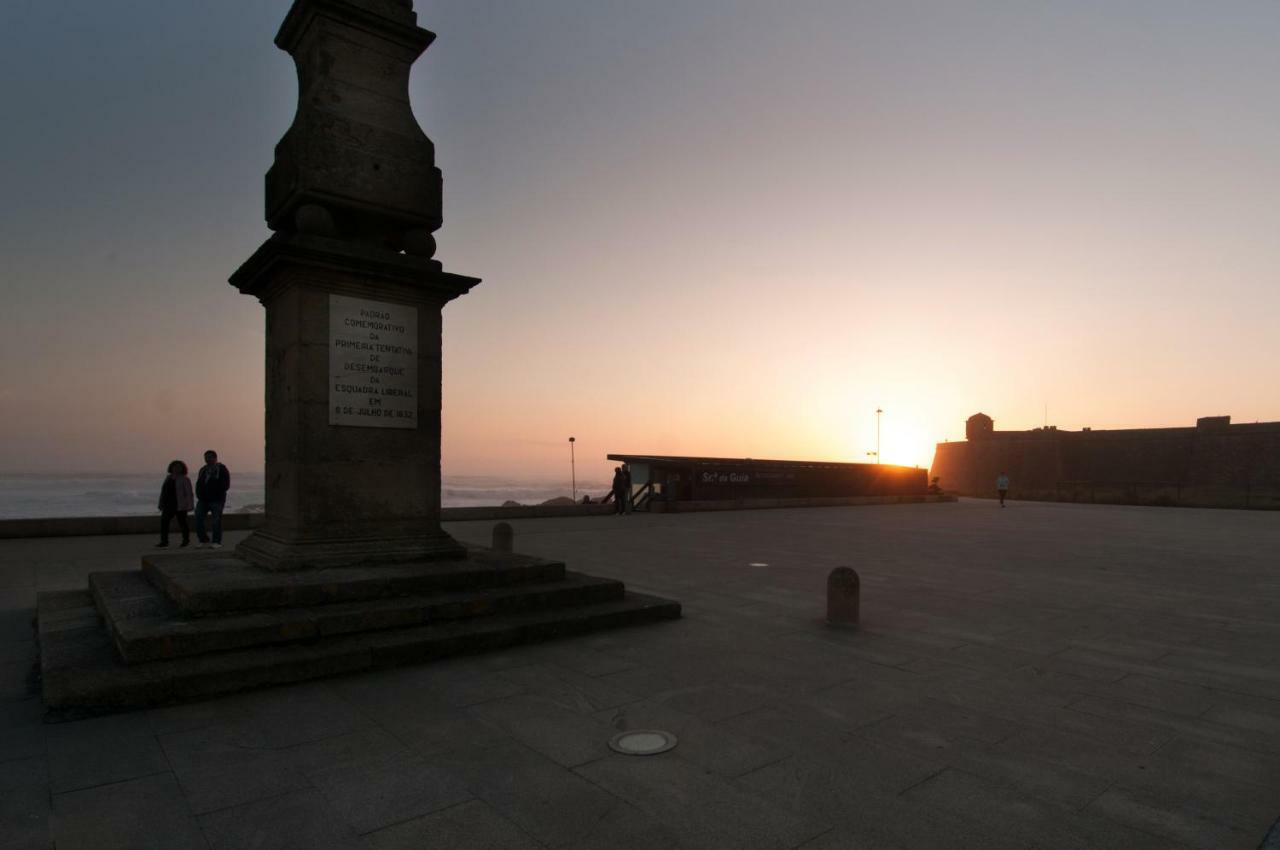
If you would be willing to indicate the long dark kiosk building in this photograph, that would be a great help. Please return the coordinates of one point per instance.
(661, 482)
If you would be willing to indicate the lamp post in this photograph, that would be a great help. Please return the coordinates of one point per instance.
(878, 412)
(573, 469)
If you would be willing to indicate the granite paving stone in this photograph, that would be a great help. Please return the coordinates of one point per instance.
(186, 717)
(703, 809)
(1230, 762)
(719, 700)
(457, 683)
(1024, 818)
(1194, 727)
(1179, 825)
(408, 710)
(22, 740)
(24, 818)
(1113, 680)
(553, 805)
(136, 814)
(377, 792)
(819, 788)
(627, 828)
(1254, 714)
(299, 820)
(567, 737)
(16, 679)
(21, 772)
(469, 824)
(569, 688)
(859, 702)
(1186, 788)
(220, 767)
(368, 744)
(102, 750)
(311, 711)
(1062, 785)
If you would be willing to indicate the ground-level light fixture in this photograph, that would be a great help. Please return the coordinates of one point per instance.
(642, 742)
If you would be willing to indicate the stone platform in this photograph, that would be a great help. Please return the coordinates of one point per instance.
(1048, 676)
(191, 625)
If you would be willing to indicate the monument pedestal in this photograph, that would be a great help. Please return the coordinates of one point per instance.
(352, 403)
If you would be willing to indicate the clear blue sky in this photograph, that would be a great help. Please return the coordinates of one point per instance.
(723, 226)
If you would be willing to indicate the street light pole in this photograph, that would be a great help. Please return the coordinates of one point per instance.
(878, 412)
(573, 469)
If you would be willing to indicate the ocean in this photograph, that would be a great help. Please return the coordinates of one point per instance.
(29, 496)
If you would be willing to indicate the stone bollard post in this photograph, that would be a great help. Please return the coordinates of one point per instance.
(844, 591)
(504, 537)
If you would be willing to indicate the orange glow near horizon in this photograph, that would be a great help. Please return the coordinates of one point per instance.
(713, 228)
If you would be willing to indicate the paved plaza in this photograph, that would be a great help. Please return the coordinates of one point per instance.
(1047, 676)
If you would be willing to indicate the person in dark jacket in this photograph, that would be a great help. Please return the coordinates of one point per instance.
(175, 501)
(212, 485)
(626, 488)
(619, 490)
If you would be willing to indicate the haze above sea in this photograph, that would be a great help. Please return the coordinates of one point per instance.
(33, 495)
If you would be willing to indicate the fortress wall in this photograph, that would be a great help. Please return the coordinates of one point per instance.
(971, 468)
(1226, 465)
(1237, 466)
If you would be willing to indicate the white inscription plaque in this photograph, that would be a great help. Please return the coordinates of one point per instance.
(373, 363)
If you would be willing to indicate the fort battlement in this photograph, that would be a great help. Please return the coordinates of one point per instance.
(1213, 464)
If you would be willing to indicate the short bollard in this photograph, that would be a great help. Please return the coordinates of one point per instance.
(504, 537)
(844, 590)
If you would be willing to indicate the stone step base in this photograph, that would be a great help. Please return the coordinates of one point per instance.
(146, 625)
(81, 672)
(215, 583)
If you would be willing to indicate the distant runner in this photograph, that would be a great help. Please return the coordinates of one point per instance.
(1002, 487)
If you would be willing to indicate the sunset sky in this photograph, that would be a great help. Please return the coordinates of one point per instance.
(721, 227)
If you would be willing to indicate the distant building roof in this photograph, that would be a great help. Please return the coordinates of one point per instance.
(976, 429)
(676, 460)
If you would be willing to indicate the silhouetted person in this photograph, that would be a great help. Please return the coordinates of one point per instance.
(626, 488)
(175, 500)
(1002, 487)
(211, 497)
(619, 490)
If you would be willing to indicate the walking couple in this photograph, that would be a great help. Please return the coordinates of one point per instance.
(210, 497)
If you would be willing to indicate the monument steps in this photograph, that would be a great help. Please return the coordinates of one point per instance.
(146, 625)
(82, 672)
(201, 583)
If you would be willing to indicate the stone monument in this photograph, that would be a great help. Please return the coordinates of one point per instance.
(351, 569)
(353, 301)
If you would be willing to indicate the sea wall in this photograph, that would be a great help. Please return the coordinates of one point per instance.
(107, 525)
(93, 526)
(1234, 466)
